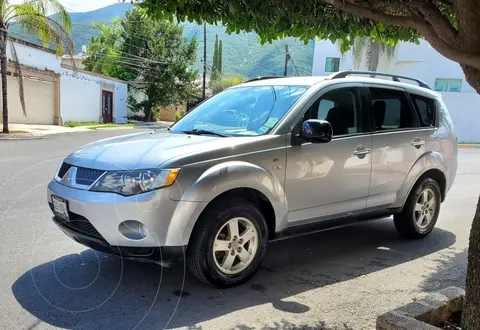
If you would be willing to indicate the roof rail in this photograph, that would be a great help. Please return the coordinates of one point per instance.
(395, 77)
(263, 78)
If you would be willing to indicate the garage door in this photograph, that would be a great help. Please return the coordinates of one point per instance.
(38, 101)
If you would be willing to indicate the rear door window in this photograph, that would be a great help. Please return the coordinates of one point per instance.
(391, 109)
(425, 108)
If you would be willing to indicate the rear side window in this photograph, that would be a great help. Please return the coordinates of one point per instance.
(391, 109)
(425, 108)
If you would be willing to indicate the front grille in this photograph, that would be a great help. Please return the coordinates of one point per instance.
(83, 226)
(87, 176)
(79, 224)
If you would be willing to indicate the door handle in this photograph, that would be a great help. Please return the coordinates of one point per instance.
(361, 151)
(417, 143)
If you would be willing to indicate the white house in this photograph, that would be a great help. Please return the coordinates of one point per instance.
(55, 93)
(422, 62)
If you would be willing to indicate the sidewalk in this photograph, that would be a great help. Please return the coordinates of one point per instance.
(31, 131)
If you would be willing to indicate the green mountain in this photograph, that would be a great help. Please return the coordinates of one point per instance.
(242, 54)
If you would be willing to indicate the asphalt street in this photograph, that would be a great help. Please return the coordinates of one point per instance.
(339, 279)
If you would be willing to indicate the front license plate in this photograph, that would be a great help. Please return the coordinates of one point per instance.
(60, 207)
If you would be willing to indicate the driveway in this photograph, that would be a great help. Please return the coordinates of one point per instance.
(339, 279)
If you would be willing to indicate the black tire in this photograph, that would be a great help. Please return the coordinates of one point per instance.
(200, 256)
(405, 221)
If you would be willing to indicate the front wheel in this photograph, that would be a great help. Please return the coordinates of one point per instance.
(228, 243)
(421, 210)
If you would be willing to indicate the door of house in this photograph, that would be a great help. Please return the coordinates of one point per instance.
(107, 106)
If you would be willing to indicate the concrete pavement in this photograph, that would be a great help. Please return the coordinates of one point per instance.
(340, 279)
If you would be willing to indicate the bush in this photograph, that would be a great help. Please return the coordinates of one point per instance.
(225, 82)
(179, 115)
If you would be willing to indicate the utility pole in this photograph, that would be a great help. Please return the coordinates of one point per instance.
(204, 58)
(287, 57)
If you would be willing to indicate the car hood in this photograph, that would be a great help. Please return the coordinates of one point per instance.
(146, 150)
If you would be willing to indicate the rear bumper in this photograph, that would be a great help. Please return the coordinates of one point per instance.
(156, 253)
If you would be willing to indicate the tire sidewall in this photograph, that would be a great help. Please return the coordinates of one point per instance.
(427, 183)
(214, 221)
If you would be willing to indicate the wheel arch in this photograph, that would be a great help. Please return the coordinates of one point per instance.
(226, 180)
(252, 195)
(432, 165)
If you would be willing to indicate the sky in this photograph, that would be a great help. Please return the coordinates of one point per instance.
(80, 5)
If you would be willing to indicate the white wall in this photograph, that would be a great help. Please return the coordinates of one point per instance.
(324, 49)
(80, 97)
(34, 57)
(422, 62)
(426, 63)
(464, 109)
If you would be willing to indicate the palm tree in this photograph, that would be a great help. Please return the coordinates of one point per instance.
(367, 50)
(33, 17)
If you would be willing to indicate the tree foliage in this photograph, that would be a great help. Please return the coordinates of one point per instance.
(220, 57)
(166, 76)
(33, 17)
(366, 50)
(152, 55)
(216, 73)
(103, 50)
(225, 82)
(451, 27)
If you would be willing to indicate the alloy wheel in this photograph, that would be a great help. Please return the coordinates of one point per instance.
(425, 208)
(235, 245)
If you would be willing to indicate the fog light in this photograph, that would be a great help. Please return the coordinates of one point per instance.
(132, 229)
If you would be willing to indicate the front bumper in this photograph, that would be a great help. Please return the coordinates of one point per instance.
(155, 253)
(96, 217)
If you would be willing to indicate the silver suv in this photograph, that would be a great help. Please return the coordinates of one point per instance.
(263, 160)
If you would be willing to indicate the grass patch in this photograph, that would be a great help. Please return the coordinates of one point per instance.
(94, 125)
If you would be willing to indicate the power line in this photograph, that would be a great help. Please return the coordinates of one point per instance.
(131, 65)
(104, 46)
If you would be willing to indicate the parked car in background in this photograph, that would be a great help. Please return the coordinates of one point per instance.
(263, 160)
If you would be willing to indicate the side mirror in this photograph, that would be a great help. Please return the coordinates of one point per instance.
(316, 131)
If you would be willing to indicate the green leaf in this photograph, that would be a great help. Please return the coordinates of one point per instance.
(381, 27)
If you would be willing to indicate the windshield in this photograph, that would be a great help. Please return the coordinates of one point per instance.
(245, 111)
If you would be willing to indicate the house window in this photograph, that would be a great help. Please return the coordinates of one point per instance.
(332, 64)
(448, 85)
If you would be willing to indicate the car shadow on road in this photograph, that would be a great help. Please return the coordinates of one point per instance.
(94, 290)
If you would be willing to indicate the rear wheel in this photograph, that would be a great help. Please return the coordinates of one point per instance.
(421, 210)
(228, 243)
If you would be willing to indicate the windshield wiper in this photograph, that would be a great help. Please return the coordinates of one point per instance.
(197, 131)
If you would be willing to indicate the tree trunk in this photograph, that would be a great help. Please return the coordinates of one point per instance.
(468, 26)
(471, 308)
(374, 49)
(472, 76)
(468, 41)
(3, 67)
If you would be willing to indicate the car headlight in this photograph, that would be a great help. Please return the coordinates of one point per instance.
(129, 183)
